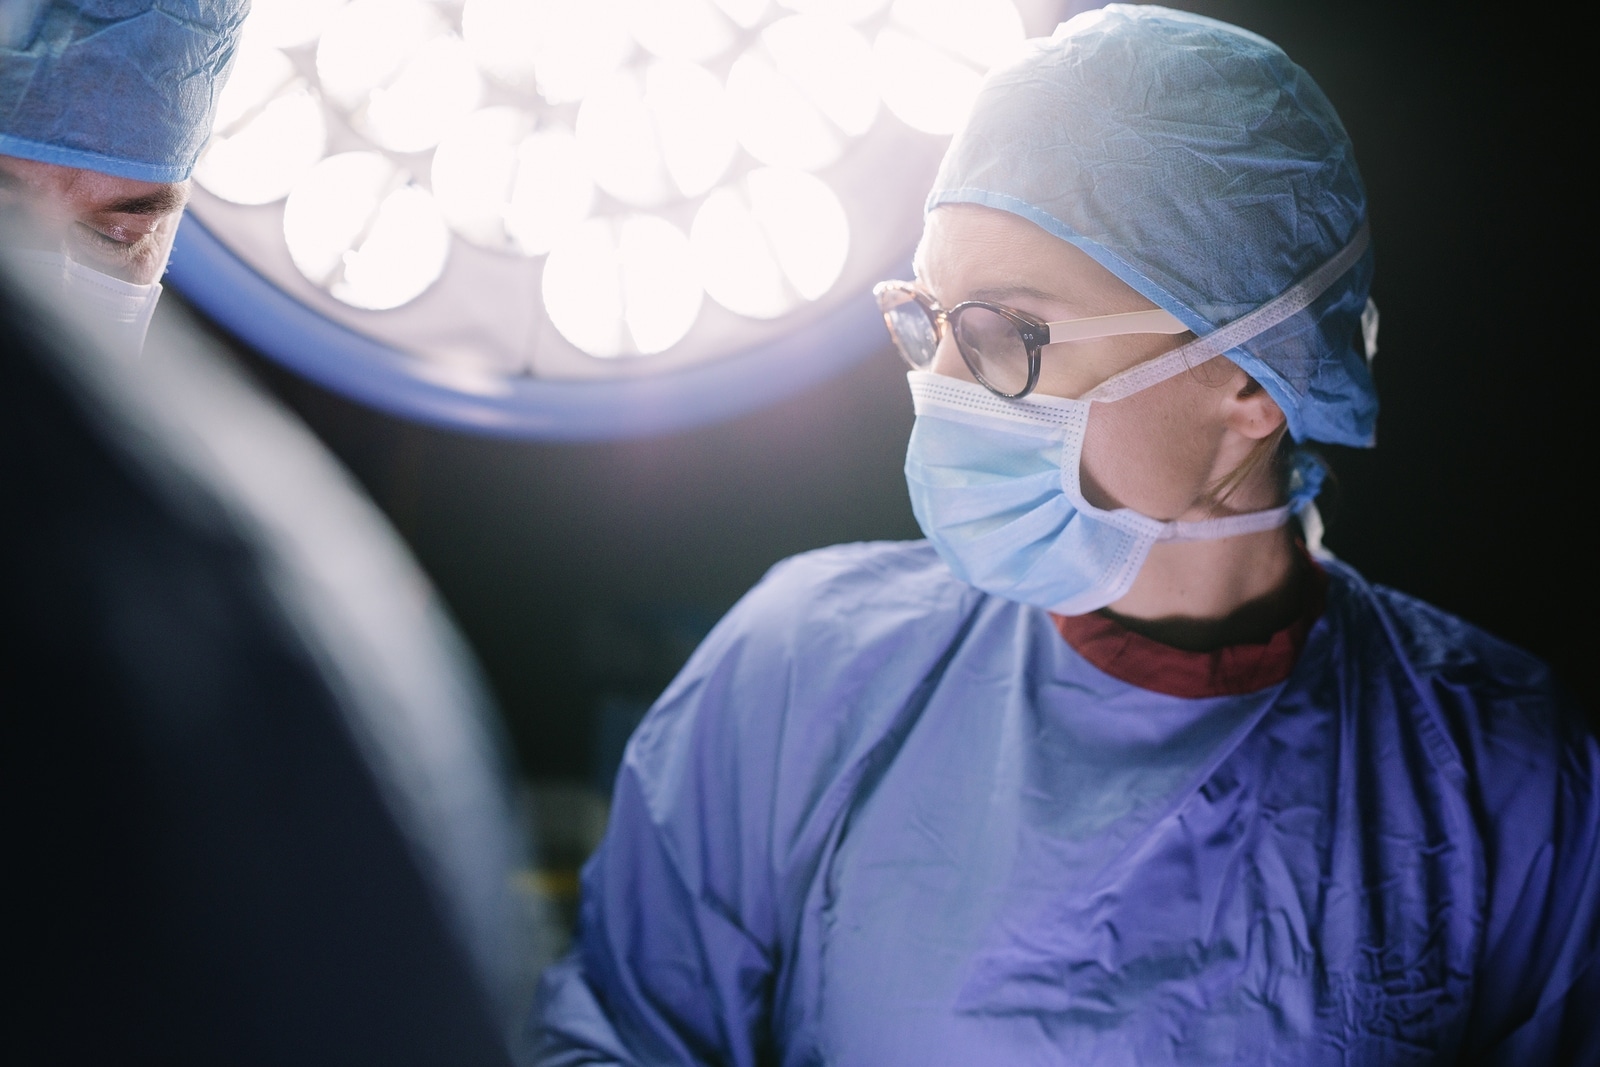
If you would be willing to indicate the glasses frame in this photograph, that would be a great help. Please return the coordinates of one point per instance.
(1035, 332)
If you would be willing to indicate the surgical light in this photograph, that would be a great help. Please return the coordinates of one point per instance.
(538, 217)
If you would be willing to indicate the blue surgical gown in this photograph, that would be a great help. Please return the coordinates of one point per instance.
(882, 818)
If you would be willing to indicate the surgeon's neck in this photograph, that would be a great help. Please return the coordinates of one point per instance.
(1205, 595)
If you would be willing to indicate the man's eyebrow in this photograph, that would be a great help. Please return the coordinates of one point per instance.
(164, 200)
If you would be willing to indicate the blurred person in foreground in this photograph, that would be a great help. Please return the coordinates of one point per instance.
(258, 794)
(1116, 767)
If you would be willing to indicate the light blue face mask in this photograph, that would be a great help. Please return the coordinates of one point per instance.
(994, 482)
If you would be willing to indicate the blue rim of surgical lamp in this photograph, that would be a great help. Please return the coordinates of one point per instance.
(360, 368)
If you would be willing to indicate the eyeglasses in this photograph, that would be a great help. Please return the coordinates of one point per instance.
(1000, 345)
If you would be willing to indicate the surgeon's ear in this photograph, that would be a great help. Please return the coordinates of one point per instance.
(1251, 411)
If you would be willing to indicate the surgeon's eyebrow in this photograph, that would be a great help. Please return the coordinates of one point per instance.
(1002, 293)
(161, 202)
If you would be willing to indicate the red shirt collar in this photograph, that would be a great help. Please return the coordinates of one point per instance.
(1230, 671)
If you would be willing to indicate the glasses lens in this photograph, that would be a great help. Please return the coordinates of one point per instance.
(909, 325)
(993, 349)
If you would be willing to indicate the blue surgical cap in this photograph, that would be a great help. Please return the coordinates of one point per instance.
(1202, 166)
(124, 87)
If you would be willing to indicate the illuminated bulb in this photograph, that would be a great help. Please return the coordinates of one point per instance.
(288, 23)
(848, 10)
(356, 227)
(269, 130)
(397, 69)
(503, 187)
(553, 191)
(646, 139)
(433, 90)
(366, 43)
(690, 30)
(560, 49)
(615, 288)
(805, 224)
(692, 125)
(927, 88)
(831, 64)
(774, 120)
(735, 260)
(619, 141)
(983, 32)
(932, 60)
(262, 157)
(259, 74)
(746, 13)
(780, 240)
(474, 169)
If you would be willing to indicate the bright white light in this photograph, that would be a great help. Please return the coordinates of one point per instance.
(259, 74)
(848, 10)
(356, 227)
(805, 223)
(774, 120)
(435, 88)
(693, 127)
(733, 257)
(288, 23)
(646, 139)
(366, 43)
(926, 87)
(397, 69)
(262, 157)
(763, 249)
(983, 32)
(474, 168)
(831, 64)
(933, 58)
(553, 191)
(690, 30)
(746, 13)
(502, 187)
(619, 141)
(404, 252)
(269, 130)
(622, 288)
(555, 47)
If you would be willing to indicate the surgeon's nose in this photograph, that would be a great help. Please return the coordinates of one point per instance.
(947, 358)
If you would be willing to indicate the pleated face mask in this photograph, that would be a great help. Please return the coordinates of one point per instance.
(117, 313)
(994, 482)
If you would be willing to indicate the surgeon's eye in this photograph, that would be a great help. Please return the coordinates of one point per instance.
(113, 238)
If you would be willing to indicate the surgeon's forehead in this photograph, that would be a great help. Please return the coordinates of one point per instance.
(973, 252)
(90, 192)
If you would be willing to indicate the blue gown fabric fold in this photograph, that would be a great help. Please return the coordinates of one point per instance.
(882, 818)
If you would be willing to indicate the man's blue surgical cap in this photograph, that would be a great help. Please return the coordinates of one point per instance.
(124, 87)
(1203, 167)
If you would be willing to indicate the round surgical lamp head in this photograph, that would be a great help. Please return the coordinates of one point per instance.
(547, 219)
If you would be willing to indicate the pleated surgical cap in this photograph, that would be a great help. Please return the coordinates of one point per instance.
(1202, 166)
(124, 87)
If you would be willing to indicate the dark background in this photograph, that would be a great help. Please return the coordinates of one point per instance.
(584, 574)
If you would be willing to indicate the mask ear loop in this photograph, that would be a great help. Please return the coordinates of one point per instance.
(1290, 302)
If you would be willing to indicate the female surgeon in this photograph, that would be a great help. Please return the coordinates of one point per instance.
(1113, 768)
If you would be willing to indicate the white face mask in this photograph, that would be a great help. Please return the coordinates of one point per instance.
(116, 312)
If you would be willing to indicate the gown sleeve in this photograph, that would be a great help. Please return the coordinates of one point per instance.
(673, 960)
(729, 795)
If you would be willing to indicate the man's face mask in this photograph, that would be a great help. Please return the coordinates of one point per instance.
(117, 313)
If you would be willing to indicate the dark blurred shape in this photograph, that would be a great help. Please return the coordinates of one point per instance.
(257, 801)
